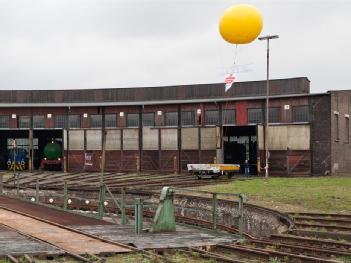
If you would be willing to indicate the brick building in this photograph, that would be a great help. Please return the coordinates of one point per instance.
(164, 128)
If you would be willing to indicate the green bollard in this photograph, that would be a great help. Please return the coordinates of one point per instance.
(164, 219)
(139, 203)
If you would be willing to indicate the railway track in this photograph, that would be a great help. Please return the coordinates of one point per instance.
(292, 246)
(29, 220)
(282, 247)
(90, 181)
(323, 222)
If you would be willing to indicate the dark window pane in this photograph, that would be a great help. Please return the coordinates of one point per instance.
(24, 122)
(228, 117)
(336, 117)
(255, 115)
(38, 122)
(60, 121)
(133, 120)
(300, 114)
(187, 118)
(4, 122)
(148, 119)
(95, 121)
(74, 121)
(211, 117)
(274, 115)
(110, 121)
(171, 118)
(347, 129)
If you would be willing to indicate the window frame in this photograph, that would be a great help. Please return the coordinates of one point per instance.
(20, 119)
(294, 114)
(113, 119)
(4, 119)
(207, 119)
(137, 119)
(70, 121)
(224, 117)
(35, 121)
(256, 122)
(347, 129)
(144, 120)
(192, 118)
(57, 121)
(176, 120)
(97, 123)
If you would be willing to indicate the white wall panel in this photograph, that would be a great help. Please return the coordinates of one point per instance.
(76, 139)
(190, 139)
(282, 137)
(169, 139)
(208, 138)
(113, 139)
(93, 139)
(150, 138)
(130, 139)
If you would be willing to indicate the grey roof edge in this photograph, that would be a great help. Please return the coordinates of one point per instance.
(139, 103)
(161, 86)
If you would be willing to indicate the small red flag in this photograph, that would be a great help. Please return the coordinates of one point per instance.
(229, 82)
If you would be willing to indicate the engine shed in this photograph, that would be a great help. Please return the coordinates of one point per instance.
(162, 129)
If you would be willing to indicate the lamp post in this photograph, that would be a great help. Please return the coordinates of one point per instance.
(267, 38)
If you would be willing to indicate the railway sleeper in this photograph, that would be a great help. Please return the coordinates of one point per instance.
(215, 256)
(283, 255)
(313, 242)
(304, 219)
(298, 249)
(323, 226)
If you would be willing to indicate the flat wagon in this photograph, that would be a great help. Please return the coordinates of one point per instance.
(213, 170)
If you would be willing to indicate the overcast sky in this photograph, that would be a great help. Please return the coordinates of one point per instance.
(69, 44)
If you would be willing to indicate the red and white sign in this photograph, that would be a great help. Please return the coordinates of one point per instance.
(229, 82)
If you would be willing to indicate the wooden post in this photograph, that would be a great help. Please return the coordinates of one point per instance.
(175, 164)
(103, 147)
(31, 150)
(64, 164)
(1, 185)
(138, 164)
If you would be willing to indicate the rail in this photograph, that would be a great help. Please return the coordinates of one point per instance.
(108, 198)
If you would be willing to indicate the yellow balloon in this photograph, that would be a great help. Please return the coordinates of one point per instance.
(240, 24)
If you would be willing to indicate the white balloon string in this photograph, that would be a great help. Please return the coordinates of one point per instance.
(235, 53)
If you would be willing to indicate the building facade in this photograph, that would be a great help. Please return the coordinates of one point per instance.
(161, 129)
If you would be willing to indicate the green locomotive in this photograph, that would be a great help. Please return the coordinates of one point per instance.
(52, 156)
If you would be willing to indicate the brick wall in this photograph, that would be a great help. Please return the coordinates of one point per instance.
(320, 134)
(340, 144)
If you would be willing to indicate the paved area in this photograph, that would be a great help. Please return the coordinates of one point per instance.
(79, 244)
(67, 240)
(12, 242)
(183, 237)
(47, 213)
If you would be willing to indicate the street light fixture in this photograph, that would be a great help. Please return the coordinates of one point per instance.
(267, 38)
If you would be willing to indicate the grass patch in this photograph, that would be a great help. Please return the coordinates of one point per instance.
(319, 194)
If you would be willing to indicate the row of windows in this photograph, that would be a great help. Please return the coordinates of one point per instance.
(188, 118)
(299, 114)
